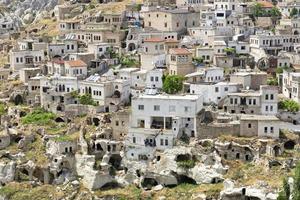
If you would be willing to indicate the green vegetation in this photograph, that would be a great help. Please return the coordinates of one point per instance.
(21, 191)
(272, 81)
(186, 164)
(198, 60)
(65, 138)
(285, 193)
(39, 117)
(230, 51)
(172, 84)
(259, 11)
(289, 105)
(294, 12)
(2, 109)
(87, 99)
(128, 61)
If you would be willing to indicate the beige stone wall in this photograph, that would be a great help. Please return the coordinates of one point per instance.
(247, 131)
(214, 131)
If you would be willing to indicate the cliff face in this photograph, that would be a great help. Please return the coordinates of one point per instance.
(26, 11)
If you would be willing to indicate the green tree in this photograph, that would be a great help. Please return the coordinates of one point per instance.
(230, 51)
(289, 105)
(272, 81)
(257, 10)
(173, 84)
(274, 12)
(198, 60)
(294, 12)
(87, 99)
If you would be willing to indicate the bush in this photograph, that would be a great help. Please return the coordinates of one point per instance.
(173, 84)
(272, 81)
(38, 117)
(186, 164)
(2, 109)
(289, 105)
(87, 99)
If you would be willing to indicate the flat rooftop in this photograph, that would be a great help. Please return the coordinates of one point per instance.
(259, 117)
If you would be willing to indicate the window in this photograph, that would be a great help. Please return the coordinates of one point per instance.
(266, 129)
(216, 89)
(267, 97)
(117, 123)
(134, 140)
(152, 78)
(271, 108)
(166, 142)
(249, 125)
(156, 107)
(271, 96)
(141, 107)
(161, 142)
(226, 89)
(267, 108)
(254, 101)
(250, 101)
(231, 100)
(272, 129)
(166, 25)
(187, 109)
(156, 79)
(235, 101)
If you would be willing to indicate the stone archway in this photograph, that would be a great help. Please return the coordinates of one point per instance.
(18, 99)
(131, 47)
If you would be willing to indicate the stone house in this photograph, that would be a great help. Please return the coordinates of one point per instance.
(291, 85)
(249, 80)
(55, 92)
(75, 68)
(99, 49)
(27, 73)
(68, 26)
(106, 89)
(120, 124)
(206, 75)
(59, 49)
(153, 54)
(137, 35)
(262, 102)
(59, 146)
(260, 126)
(214, 92)
(180, 62)
(154, 125)
(233, 151)
(171, 19)
(34, 90)
(25, 58)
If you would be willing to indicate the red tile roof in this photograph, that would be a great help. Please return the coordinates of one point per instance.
(266, 4)
(76, 63)
(180, 51)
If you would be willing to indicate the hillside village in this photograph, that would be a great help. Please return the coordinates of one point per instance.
(174, 99)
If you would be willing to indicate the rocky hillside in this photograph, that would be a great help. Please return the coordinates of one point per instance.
(26, 11)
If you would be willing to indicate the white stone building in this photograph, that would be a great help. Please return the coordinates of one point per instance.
(157, 120)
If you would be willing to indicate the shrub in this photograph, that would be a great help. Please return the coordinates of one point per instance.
(38, 117)
(173, 84)
(87, 99)
(186, 164)
(289, 105)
